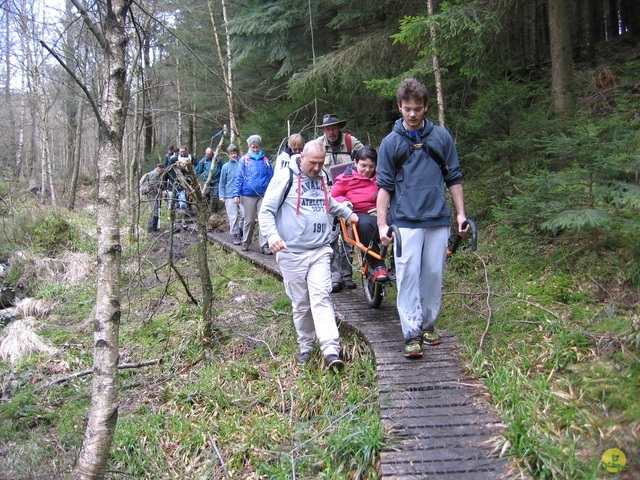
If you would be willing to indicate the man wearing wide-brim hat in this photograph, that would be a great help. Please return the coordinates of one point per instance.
(339, 146)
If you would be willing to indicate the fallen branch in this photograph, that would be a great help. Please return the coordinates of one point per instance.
(84, 373)
(489, 311)
(220, 459)
(184, 284)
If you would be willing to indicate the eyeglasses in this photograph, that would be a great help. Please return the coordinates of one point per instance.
(366, 166)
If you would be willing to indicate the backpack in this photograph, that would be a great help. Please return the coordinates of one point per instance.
(144, 185)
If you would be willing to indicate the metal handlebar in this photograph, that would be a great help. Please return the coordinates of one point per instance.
(354, 240)
(474, 238)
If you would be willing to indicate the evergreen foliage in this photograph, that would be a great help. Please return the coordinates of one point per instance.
(466, 36)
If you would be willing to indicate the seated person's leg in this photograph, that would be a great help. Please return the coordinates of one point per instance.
(368, 231)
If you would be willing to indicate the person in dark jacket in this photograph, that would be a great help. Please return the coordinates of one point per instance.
(251, 180)
(154, 188)
(416, 161)
(202, 173)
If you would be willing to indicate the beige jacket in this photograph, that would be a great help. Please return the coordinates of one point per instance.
(342, 155)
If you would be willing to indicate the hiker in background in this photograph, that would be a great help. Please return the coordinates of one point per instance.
(251, 179)
(338, 147)
(176, 183)
(294, 147)
(169, 155)
(294, 201)
(234, 210)
(202, 173)
(152, 188)
(183, 157)
(415, 163)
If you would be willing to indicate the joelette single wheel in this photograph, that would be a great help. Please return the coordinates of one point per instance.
(373, 291)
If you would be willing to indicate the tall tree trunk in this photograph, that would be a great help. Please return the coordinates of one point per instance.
(7, 85)
(20, 145)
(103, 415)
(70, 94)
(43, 170)
(147, 118)
(46, 151)
(630, 13)
(437, 73)
(76, 155)
(179, 94)
(225, 66)
(611, 16)
(561, 58)
(596, 26)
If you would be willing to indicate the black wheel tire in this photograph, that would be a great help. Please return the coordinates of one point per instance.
(372, 291)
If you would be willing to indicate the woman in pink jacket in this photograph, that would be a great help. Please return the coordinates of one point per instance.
(357, 186)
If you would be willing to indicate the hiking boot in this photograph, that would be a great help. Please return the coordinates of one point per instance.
(244, 248)
(431, 338)
(237, 240)
(413, 348)
(350, 284)
(303, 358)
(336, 287)
(334, 362)
(380, 275)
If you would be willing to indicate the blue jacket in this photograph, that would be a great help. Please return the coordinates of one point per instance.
(227, 177)
(418, 188)
(252, 176)
(203, 167)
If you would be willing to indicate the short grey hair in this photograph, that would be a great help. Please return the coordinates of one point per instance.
(314, 145)
(254, 140)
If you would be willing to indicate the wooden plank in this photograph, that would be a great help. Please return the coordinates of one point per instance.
(440, 468)
(430, 411)
(480, 430)
(484, 437)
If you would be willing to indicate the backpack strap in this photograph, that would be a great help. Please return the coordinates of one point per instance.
(412, 147)
(287, 187)
(347, 141)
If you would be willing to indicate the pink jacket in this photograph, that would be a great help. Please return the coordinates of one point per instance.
(358, 189)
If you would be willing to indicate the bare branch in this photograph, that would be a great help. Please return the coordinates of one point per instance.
(94, 105)
(90, 25)
(84, 373)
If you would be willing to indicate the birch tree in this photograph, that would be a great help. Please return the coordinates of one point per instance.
(437, 72)
(110, 112)
(225, 65)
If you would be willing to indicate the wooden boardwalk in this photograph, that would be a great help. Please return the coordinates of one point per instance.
(436, 421)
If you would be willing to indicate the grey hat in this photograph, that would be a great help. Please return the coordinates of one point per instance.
(332, 119)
